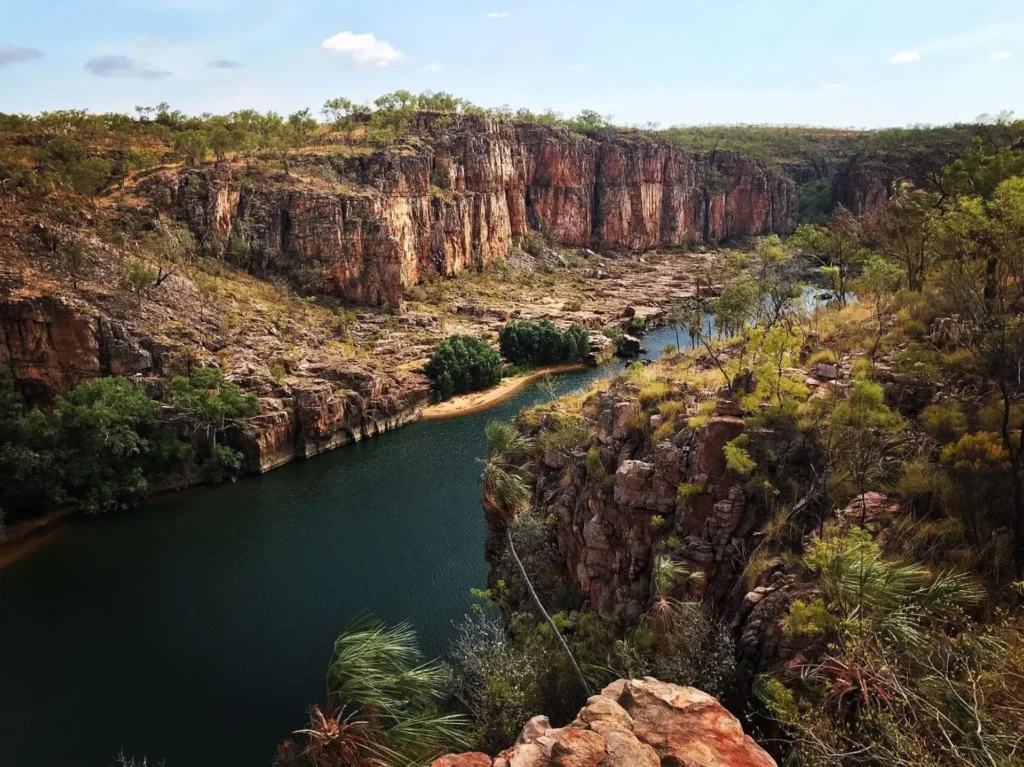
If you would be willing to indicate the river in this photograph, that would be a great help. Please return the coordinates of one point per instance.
(197, 630)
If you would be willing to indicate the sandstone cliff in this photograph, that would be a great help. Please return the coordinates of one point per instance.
(461, 189)
(632, 723)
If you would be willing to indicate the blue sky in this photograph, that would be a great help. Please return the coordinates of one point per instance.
(828, 62)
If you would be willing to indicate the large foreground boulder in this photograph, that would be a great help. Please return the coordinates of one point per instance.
(632, 723)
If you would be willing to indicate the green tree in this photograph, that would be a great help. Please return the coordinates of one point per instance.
(107, 444)
(211, 405)
(463, 364)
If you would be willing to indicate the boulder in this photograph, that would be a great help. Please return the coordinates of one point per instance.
(632, 723)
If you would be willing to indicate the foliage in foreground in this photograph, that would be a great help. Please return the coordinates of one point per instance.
(383, 706)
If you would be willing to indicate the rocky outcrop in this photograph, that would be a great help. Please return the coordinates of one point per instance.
(863, 183)
(632, 723)
(610, 522)
(51, 347)
(461, 190)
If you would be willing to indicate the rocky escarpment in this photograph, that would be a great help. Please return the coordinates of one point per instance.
(611, 522)
(461, 189)
(632, 723)
(52, 346)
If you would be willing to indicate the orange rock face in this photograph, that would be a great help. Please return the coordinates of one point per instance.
(468, 189)
(49, 347)
(632, 723)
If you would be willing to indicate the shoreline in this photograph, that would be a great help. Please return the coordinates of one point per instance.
(475, 402)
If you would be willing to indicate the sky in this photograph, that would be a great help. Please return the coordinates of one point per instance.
(845, 63)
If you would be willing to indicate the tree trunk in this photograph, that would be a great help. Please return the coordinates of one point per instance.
(551, 623)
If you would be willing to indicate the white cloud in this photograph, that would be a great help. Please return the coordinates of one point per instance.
(432, 67)
(580, 67)
(498, 15)
(832, 87)
(905, 57)
(1000, 55)
(362, 50)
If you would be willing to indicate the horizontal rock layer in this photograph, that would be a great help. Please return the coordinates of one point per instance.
(51, 347)
(632, 723)
(369, 227)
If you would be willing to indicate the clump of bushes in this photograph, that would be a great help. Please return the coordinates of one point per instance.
(463, 364)
(541, 343)
(96, 450)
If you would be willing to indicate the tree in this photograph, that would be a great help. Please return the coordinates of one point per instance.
(857, 433)
(541, 343)
(212, 405)
(836, 246)
(462, 364)
(505, 496)
(106, 443)
(982, 244)
(382, 704)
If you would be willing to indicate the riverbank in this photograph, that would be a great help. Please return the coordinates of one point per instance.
(465, 404)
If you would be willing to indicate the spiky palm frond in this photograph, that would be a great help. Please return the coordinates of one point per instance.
(422, 737)
(378, 670)
(505, 442)
(666, 572)
(506, 492)
(343, 739)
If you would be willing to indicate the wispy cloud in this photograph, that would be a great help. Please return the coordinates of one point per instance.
(14, 54)
(906, 57)
(579, 66)
(123, 67)
(362, 50)
(978, 37)
(432, 67)
(224, 64)
(832, 87)
(969, 40)
(498, 15)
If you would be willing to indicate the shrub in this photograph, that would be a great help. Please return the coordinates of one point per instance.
(653, 392)
(570, 433)
(463, 364)
(945, 420)
(541, 343)
(95, 451)
(737, 458)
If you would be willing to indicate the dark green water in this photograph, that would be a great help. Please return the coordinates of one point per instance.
(198, 629)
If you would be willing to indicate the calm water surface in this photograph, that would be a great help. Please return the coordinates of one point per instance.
(198, 630)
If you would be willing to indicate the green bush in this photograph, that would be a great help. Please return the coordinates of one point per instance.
(541, 343)
(96, 450)
(463, 364)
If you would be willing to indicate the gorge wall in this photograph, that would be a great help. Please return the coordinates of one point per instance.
(462, 188)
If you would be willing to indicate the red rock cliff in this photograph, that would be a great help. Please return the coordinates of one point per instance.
(463, 188)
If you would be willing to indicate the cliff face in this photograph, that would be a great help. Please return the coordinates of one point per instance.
(52, 346)
(369, 227)
(632, 723)
(610, 524)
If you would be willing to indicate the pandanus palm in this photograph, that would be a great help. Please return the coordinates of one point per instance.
(506, 494)
(665, 574)
(383, 703)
